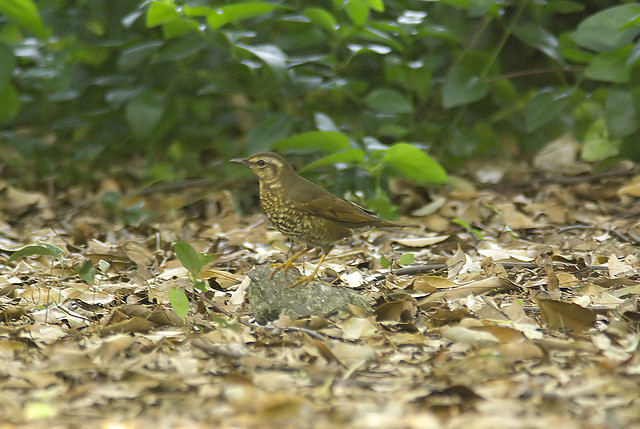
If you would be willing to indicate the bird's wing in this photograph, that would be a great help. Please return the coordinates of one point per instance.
(317, 202)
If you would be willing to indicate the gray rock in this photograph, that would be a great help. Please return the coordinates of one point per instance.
(271, 297)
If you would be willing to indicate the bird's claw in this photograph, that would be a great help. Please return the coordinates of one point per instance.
(303, 280)
(281, 266)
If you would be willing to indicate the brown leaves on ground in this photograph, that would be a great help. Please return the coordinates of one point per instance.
(523, 312)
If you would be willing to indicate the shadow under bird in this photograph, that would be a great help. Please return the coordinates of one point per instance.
(305, 212)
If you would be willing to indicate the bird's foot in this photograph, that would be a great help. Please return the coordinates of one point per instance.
(287, 264)
(303, 280)
(313, 276)
(284, 266)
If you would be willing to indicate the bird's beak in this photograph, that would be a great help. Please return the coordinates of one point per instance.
(238, 161)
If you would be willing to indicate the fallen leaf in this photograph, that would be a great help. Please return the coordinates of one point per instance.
(566, 315)
(470, 336)
(356, 328)
(422, 241)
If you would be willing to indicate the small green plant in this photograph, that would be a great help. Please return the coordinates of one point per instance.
(193, 262)
(86, 271)
(44, 249)
(406, 259)
(468, 228)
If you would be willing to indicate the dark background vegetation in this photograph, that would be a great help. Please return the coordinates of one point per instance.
(89, 85)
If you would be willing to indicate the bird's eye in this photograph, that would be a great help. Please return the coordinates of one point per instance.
(261, 163)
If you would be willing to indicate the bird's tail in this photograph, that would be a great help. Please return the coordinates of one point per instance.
(389, 224)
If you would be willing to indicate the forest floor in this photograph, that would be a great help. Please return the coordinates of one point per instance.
(519, 309)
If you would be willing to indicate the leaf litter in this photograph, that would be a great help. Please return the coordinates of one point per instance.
(520, 309)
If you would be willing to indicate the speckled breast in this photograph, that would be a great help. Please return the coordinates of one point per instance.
(300, 226)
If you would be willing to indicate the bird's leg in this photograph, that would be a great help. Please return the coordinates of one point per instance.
(307, 279)
(289, 262)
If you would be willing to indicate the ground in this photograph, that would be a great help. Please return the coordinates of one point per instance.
(519, 309)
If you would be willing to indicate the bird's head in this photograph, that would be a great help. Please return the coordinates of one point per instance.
(267, 166)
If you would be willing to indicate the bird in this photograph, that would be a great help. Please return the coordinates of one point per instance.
(304, 212)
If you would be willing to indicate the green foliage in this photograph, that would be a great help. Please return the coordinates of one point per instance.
(183, 82)
(404, 260)
(179, 302)
(45, 249)
(87, 272)
(468, 228)
(25, 14)
(192, 261)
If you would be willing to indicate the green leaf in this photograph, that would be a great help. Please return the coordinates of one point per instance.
(388, 101)
(377, 5)
(406, 259)
(349, 157)
(179, 302)
(44, 249)
(597, 145)
(545, 106)
(357, 11)
(620, 113)
(204, 259)
(462, 223)
(176, 50)
(134, 56)
(188, 257)
(273, 128)
(103, 266)
(179, 27)
(463, 86)
(571, 51)
(632, 23)
(87, 272)
(161, 12)
(382, 205)
(604, 30)
(478, 8)
(541, 39)
(611, 66)
(322, 18)
(384, 262)
(411, 162)
(25, 14)
(563, 6)
(324, 122)
(237, 12)
(7, 65)
(144, 111)
(271, 55)
(55, 250)
(10, 105)
(327, 141)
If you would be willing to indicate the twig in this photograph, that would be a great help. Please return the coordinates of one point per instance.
(421, 269)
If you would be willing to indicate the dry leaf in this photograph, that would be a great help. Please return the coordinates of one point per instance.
(357, 328)
(631, 188)
(470, 336)
(399, 311)
(566, 315)
(422, 241)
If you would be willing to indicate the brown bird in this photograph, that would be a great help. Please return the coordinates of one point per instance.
(303, 211)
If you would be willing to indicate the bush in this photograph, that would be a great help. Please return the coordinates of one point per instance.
(182, 84)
